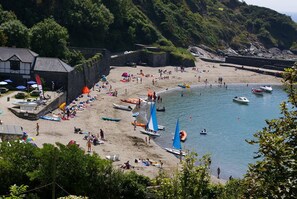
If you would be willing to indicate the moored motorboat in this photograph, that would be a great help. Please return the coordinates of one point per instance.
(266, 88)
(257, 91)
(242, 100)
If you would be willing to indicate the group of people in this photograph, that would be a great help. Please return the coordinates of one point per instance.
(94, 139)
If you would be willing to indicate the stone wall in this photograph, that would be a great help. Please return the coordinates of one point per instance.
(153, 59)
(88, 74)
(122, 59)
(260, 62)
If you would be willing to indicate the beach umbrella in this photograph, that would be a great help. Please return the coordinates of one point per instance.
(125, 74)
(8, 81)
(34, 85)
(21, 87)
(31, 82)
(3, 83)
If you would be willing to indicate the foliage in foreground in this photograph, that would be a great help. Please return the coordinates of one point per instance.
(71, 169)
(275, 175)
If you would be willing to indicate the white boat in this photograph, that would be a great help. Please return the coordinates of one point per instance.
(242, 100)
(150, 133)
(152, 126)
(266, 88)
(45, 117)
(122, 107)
(160, 127)
(22, 103)
(176, 146)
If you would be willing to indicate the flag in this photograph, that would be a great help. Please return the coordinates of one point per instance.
(38, 81)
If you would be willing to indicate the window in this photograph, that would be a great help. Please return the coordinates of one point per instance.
(14, 65)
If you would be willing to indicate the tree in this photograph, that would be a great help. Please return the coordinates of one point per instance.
(6, 15)
(49, 39)
(3, 38)
(190, 182)
(17, 33)
(275, 174)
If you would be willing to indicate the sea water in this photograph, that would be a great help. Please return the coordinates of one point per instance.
(228, 123)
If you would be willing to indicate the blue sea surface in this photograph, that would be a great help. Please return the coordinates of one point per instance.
(228, 123)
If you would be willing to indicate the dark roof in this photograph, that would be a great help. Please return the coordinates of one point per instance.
(52, 65)
(24, 54)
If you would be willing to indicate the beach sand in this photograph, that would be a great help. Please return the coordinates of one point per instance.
(121, 138)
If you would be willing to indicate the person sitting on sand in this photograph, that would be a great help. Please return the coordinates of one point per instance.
(126, 165)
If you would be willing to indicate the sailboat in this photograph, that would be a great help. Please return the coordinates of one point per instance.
(176, 143)
(152, 125)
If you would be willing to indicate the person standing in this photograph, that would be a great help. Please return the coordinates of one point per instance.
(89, 144)
(37, 129)
(219, 172)
(101, 134)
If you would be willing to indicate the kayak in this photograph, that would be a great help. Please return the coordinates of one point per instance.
(111, 119)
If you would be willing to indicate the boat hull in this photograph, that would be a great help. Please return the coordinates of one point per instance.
(56, 119)
(176, 151)
(266, 88)
(125, 108)
(150, 133)
(241, 100)
(257, 91)
(160, 127)
(111, 119)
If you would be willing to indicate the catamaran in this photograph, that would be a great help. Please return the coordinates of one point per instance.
(177, 150)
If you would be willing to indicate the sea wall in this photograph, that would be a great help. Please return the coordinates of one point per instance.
(123, 58)
(274, 64)
(151, 58)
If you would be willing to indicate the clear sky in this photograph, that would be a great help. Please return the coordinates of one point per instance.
(282, 6)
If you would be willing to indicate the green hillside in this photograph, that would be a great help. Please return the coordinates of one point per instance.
(119, 24)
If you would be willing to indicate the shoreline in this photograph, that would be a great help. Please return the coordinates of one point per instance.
(121, 137)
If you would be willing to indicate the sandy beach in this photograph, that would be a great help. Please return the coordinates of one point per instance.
(121, 138)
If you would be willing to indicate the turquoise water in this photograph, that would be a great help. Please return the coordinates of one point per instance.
(228, 123)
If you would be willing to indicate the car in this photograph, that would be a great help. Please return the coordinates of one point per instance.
(3, 90)
(35, 93)
(20, 95)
